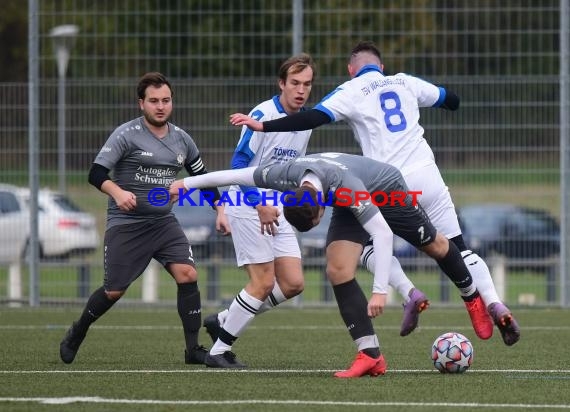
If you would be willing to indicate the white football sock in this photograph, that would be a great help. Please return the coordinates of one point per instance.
(468, 291)
(398, 279)
(240, 314)
(367, 342)
(222, 316)
(275, 298)
(481, 277)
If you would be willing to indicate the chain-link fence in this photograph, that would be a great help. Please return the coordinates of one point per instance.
(502, 146)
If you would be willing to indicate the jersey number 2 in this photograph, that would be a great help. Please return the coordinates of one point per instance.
(393, 112)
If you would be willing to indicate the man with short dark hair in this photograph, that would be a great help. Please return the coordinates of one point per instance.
(352, 181)
(145, 153)
(383, 112)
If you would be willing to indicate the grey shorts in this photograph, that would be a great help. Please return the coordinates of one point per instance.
(128, 249)
(409, 222)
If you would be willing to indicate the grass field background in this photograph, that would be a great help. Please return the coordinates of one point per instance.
(132, 360)
(59, 284)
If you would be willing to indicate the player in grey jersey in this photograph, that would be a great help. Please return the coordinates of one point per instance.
(144, 154)
(352, 224)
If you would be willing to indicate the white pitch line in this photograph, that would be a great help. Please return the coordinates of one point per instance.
(295, 371)
(454, 405)
(267, 327)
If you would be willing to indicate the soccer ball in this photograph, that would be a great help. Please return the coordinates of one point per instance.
(452, 353)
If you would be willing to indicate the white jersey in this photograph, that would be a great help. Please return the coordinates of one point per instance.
(383, 113)
(265, 148)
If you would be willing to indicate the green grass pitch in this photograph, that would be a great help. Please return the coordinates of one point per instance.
(132, 360)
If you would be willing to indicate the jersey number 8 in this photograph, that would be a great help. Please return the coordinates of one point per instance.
(392, 112)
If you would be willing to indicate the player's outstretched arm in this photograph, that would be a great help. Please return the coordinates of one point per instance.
(240, 119)
(214, 179)
(304, 120)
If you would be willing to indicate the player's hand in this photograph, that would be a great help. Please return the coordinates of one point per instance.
(174, 189)
(268, 218)
(222, 225)
(376, 304)
(126, 201)
(240, 119)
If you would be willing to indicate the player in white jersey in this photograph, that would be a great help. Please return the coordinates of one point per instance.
(383, 113)
(269, 253)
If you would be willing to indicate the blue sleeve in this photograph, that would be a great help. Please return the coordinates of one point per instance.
(447, 100)
(241, 158)
(442, 93)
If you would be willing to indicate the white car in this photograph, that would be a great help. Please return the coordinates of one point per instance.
(14, 225)
(64, 229)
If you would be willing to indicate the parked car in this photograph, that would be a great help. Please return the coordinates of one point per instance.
(516, 232)
(511, 230)
(64, 229)
(14, 225)
(313, 242)
(199, 225)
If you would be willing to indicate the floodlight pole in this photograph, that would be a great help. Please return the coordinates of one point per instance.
(63, 38)
(297, 26)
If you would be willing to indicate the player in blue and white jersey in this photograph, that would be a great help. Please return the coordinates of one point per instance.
(383, 113)
(269, 253)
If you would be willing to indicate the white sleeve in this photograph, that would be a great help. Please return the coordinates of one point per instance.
(426, 93)
(221, 178)
(339, 104)
(383, 242)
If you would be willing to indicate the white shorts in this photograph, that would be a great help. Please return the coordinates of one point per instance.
(435, 199)
(253, 247)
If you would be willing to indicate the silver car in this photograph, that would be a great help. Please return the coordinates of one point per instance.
(64, 229)
(14, 225)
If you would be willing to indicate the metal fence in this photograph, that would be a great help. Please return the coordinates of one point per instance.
(503, 146)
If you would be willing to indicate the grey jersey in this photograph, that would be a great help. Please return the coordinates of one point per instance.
(142, 162)
(335, 171)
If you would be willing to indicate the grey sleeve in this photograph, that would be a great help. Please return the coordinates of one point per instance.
(112, 151)
(192, 149)
(273, 176)
(347, 194)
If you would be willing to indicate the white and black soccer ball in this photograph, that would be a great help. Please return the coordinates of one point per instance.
(452, 352)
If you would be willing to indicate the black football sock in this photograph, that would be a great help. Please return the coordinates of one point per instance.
(190, 312)
(372, 352)
(96, 307)
(454, 267)
(470, 297)
(353, 307)
(227, 337)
